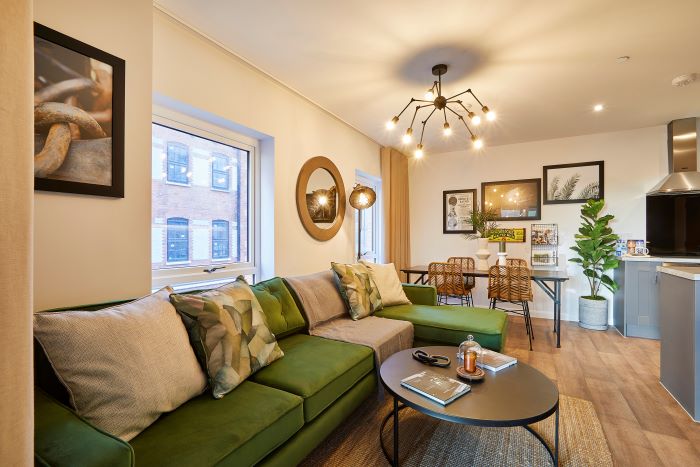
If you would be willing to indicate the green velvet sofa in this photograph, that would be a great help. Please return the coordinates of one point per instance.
(277, 416)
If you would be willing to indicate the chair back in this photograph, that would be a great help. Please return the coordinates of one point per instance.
(516, 262)
(467, 264)
(446, 278)
(510, 283)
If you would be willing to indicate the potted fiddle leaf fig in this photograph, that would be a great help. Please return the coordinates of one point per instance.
(595, 246)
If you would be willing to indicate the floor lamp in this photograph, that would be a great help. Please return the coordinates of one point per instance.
(361, 198)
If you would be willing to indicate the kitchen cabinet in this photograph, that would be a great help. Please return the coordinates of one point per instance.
(636, 302)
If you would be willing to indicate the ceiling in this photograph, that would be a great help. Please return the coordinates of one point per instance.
(541, 65)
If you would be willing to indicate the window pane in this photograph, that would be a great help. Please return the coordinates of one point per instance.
(203, 216)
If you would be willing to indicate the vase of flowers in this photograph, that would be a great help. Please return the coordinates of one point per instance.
(484, 222)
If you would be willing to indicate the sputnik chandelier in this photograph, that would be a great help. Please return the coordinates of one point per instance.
(441, 103)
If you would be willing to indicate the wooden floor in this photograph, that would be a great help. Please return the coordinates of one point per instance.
(643, 424)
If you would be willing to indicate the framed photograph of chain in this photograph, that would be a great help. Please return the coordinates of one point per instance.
(78, 116)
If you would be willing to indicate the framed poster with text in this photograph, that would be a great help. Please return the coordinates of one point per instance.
(457, 208)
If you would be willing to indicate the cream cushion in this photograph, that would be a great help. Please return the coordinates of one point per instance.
(388, 283)
(122, 366)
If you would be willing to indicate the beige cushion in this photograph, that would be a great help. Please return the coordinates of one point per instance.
(357, 288)
(122, 366)
(319, 297)
(388, 283)
(384, 336)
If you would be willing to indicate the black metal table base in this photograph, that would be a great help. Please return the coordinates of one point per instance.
(394, 459)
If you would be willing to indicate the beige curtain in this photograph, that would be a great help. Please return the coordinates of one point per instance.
(397, 239)
(16, 202)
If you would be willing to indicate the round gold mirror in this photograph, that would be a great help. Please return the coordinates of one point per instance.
(320, 198)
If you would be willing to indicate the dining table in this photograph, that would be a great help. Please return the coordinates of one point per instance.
(550, 281)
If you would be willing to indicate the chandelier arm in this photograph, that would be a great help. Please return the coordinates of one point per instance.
(418, 107)
(463, 92)
(462, 120)
(404, 109)
(424, 122)
(477, 99)
(467, 110)
(444, 113)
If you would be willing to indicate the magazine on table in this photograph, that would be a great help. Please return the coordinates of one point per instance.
(494, 361)
(439, 388)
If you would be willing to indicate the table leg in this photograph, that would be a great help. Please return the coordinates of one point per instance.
(557, 311)
(556, 438)
(396, 432)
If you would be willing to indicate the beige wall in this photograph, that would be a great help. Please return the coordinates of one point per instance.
(192, 70)
(634, 162)
(16, 184)
(87, 248)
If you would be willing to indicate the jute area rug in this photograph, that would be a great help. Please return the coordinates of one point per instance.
(426, 441)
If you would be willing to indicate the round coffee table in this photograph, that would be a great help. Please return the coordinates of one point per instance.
(515, 396)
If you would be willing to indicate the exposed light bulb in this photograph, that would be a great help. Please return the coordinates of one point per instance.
(477, 142)
(391, 124)
(475, 119)
(418, 153)
(598, 108)
(408, 136)
(362, 199)
(490, 114)
(446, 130)
(322, 200)
(429, 96)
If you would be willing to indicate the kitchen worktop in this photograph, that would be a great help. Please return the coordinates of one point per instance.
(686, 272)
(665, 259)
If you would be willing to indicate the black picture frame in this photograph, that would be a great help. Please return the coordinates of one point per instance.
(549, 173)
(116, 188)
(445, 202)
(533, 185)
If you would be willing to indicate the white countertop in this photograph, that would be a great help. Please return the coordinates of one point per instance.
(665, 259)
(686, 272)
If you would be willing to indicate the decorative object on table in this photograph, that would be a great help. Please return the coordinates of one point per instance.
(434, 99)
(457, 209)
(544, 244)
(595, 246)
(512, 284)
(468, 265)
(513, 199)
(78, 116)
(436, 387)
(495, 361)
(320, 194)
(573, 183)
(440, 361)
(484, 222)
(469, 357)
(621, 247)
(361, 198)
(358, 290)
(502, 253)
(636, 248)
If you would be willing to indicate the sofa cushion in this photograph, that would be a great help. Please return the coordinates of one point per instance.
(240, 429)
(357, 288)
(451, 324)
(387, 280)
(283, 316)
(384, 336)
(317, 369)
(228, 332)
(318, 297)
(122, 366)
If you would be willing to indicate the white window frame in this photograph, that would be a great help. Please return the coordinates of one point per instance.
(375, 183)
(194, 277)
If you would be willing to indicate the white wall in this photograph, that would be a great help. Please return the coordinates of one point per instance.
(634, 162)
(190, 69)
(87, 248)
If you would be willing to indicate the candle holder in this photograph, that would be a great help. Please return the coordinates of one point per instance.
(469, 360)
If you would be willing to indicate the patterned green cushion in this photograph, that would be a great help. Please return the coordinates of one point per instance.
(357, 289)
(228, 331)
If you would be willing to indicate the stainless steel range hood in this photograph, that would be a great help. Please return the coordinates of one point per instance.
(683, 177)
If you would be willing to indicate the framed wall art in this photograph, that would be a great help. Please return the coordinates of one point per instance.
(457, 208)
(513, 200)
(573, 183)
(78, 116)
(512, 235)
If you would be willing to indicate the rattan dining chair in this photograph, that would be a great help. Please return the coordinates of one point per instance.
(448, 281)
(516, 262)
(467, 264)
(512, 284)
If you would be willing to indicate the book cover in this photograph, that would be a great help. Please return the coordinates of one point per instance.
(495, 361)
(436, 387)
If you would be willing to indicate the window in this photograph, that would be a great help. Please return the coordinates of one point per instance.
(178, 163)
(370, 229)
(208, 232)
(178, 239)
(220, 172)
(219, 239)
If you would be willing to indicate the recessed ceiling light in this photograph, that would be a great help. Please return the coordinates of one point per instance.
(598, 107)
(623, 59)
